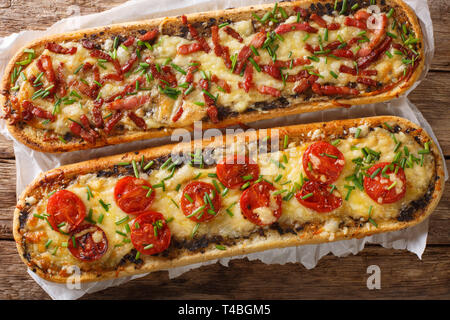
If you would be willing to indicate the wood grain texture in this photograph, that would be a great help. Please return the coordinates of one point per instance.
(403, 274)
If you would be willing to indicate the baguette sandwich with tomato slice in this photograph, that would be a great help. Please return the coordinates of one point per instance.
(177, 205)
(142, 80)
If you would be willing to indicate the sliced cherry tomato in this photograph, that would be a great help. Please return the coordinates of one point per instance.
(195, 203)
(88, 243)
(236, 170)
(384, 189)
(150, 233)
(133, 195)
(319, 196)
(258, 200)
(65, 207)
(323, 162)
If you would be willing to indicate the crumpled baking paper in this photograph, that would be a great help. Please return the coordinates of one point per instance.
(30, 163)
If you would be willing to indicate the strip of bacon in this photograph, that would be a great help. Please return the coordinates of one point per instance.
(137, 120)
(303, 12)
(222, 83)
(60, 80)
(129, 103)
(243, 55)
(178, 114)
(186, 49)
(233, 33)
(128, 89)
(190, 73)
(269, 91)
(330, 90)
(305, 83)
(367, 81)
(95, 53)
(334, 26)
(272, 70)
(112, 76)
(166, 74)
(45, 65)
(364, 62)
(219, 50)
(213, 113)
(296, 77)
(56, 48)
(129, 42)
(79, 131)
(29, 110)
(112, 122)
(378, 35)
(248, 77)
(194, 33)
(343, 53)
(97, 116)
(87, 126)
(352, 71)
(127, 67)
(149, 35)
(259, 39)
(88, 44)
(350, 22)
(299, 26)
(362, 15)
(319, 20)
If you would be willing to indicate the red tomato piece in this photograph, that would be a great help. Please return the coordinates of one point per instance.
(325, 160)
(232, 170)
(318, 196)
(131, 193)
(195, 196)
(382, 189)
(65, 207)
(260, 195)
(150, 233)
(89, 243)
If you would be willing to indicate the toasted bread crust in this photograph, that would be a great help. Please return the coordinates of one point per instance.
(253, 244)
(34, 138)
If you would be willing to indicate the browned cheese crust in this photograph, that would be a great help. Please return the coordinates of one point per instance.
(38, 138)
(269, 239)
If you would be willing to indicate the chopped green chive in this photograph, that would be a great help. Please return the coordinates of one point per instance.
(306, 196)
(135, 169)
(125, 219)
(220, 247)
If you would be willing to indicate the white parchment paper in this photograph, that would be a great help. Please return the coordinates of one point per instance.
(30, 163)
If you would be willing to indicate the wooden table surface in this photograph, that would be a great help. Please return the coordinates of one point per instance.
(403, 275)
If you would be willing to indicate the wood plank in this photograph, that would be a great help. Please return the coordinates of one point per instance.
(21, 15)
(439, 10)
(403, 276)
(432, 99)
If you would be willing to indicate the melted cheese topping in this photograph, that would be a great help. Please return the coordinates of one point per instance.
(160, 109)
(223, 224)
